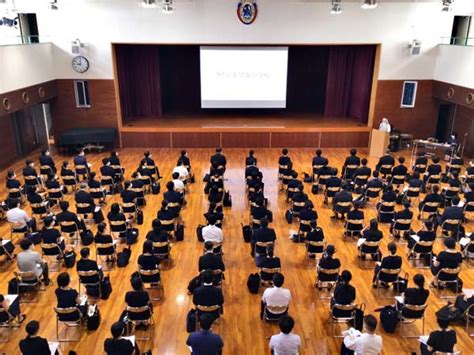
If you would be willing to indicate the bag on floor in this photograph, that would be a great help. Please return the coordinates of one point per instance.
(358, 322)
(98, 216)
(123, 257)
(199, 232)
(227, 199)
(307, 178)
(70, 259)
(361, 200)
(179, 234)
(194, 284)
(253, 283)
(207, 178)
(35, 237)
(141, 201)
(247, 233)
(139, 217)
(191, 321)
(155, 188)
(450, 314)
(192, 180)
(13, 286)
(400, 285)
(315, 189)
(106, 288)
(389, 319)
(93, 321)
(132, 236)
(289, 216)
(87, 237)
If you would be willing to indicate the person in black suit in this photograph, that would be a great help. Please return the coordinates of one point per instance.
(434, 196)
(80, 159)
(293, 184)
(315, 234)
(117, 345)
(405, 213)
(68, 297)
(138, 297)
(332, 181)
(362, 170)
(306, 215)
(355, 214)
(448, 258)
(352, 159)
(451, 212)
(83, 196)
(86, 264)
(219, 161)
(164, 214)
(433, 169)
(420, 161)
(328, 262)
(375, 181)
(149, 261)
(127, 194)
(173, 196)
(12, 182)
(51, 235)
(391, 261)
(284, 160)
(251, 160)
(414, 295)
(66, 216)
(342, 196)
(208, 295)
(415, 181)
(30, 171)
(34, 344)
(158, 235)
(34, 197)
(45, 159)
(147, 160)
(299, 200)
(270, 261)
(319, 160)
(115, 162)
(372, 234)
(262, 234)
(259, 211)
(387, 159)
(52, 182)
(426, 234)
(211, 261)
(93, 183)
(67, 171)
(107, 170)
(102, 237)
(344, 293)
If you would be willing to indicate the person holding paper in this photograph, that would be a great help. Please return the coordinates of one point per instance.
(117, 344)
(416, 296)
(425, 234)
(367, 343)
(442, 340)
(34, 344)
(385, 126)
(449, 258)
(392, 261)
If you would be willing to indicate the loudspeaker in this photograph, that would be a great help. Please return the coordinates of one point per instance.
(415, 47)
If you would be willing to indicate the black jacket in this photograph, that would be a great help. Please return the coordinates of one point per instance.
(211, 261)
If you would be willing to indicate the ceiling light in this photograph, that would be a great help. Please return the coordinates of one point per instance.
(148, 4)
(447, 5)
(336, 7)
(167, 7)
(369, 4)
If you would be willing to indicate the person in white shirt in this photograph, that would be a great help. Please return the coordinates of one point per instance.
(212, 233)
(363, 344)
(385, 126)
(178, 184)
(19, 218)
(276, 296)
(182, 170)
(285, 343)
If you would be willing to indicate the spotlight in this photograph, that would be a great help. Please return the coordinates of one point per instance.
(148, 4)
(9, 22)
(369, 4)
(447, 5)
(167, 7)
(336, 7)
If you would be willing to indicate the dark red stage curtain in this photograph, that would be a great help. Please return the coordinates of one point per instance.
(349, 81)
(138, 71)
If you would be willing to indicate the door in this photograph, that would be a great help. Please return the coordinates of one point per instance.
(445, 121)
(460, 31)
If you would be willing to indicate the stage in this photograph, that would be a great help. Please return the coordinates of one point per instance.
(244, 131)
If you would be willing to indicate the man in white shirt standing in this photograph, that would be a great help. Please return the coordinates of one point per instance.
(285, 343)
(276, 296)
(366, 343)
(19, 219)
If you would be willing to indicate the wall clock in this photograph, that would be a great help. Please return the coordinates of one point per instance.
(80, 64)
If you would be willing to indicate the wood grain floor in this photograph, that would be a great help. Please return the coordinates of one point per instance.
(241, 328)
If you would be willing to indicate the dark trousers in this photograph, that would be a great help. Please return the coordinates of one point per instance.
(14, 308)
(345, 351)
(45, 273)
(32, 224)
(424, 349)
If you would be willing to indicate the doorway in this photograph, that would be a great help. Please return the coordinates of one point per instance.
(445, 121)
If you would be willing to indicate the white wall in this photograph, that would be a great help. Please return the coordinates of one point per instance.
(100, 22)
(25, 65)
(455, 65)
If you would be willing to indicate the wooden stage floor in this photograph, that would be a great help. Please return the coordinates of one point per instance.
(241, 328)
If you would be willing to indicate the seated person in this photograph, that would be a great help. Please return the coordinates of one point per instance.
(293, 185)
(68, 297)
(415, 182)
(299, 200)
(93, 183)
(433, 169)
(184, 158)
(391, 261)
(453, 189)
(421, 163)
(452, 212)
(355, 214)
(212, 233)
(116, 215)
(270, 261)
(442, 340)
(286, 342)
(19, 218)
(34, 197)
(366, 343)
(426, 234)
(33, 344)
(211, 261)
(374, 183)
(399, 170)
(259, 211)
(251, 160)
(450, 258)
(127, 194)
(315, 234)
(182, 171)
(66, 216)
(214, 211)
(178, 184)
(263, 234)
(158, 235)
(215, 196)
(115, 162)
(388, 161)
(166, 217)
(372, 234)
(103, 237)
(434, 196)
(30, 261)
(351, 160)
(118, 345)
(87, 264)
(208, 295)
(344, 293)
(328, 262)
(84, 197)
(107, 171)
(138, 297)
(333, 185)
(9, 311)
(460, 306)
(360, 173)
(30, 171)
(416, 296)
(307, 214)
(343, 196)
(204, 341)
(318, 160)
(12, 182)
(219, 160)
(50, 235)
(276, 296)
(148, 261)
(404, 214)
(284, 162)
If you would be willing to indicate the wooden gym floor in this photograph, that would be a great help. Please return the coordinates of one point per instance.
(241, 328)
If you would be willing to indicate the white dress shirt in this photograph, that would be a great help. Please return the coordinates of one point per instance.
(365, 344)
(182, 171)
(285, 344)
(178, 185)
(276, 296)
(17, 215)
(212, 234)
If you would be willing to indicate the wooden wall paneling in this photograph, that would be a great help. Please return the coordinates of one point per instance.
(295, 139)
(245, 140)
(440, 91)
(7, 146)
(146, 139)
(464, 123)
(196, 139)
(101, 114)
(345, 139)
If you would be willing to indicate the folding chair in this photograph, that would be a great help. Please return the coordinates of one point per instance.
(53, 255)
(388, 276)
(409, 314)
(152, 281)
(71, 232)
(86, 279)
(135, 318)
(445, 277)
(266, 276)
(27, 281)
(67, 317)
(330, 280)
(428, 210)
(349, 316)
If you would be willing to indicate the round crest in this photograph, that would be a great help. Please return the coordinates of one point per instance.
(247, 11)
(470, 98)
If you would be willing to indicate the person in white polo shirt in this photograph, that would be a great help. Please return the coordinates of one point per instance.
(276, 296)
(367, 343)
(285, 343)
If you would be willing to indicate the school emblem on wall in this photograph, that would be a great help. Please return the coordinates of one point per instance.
(247, 11)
